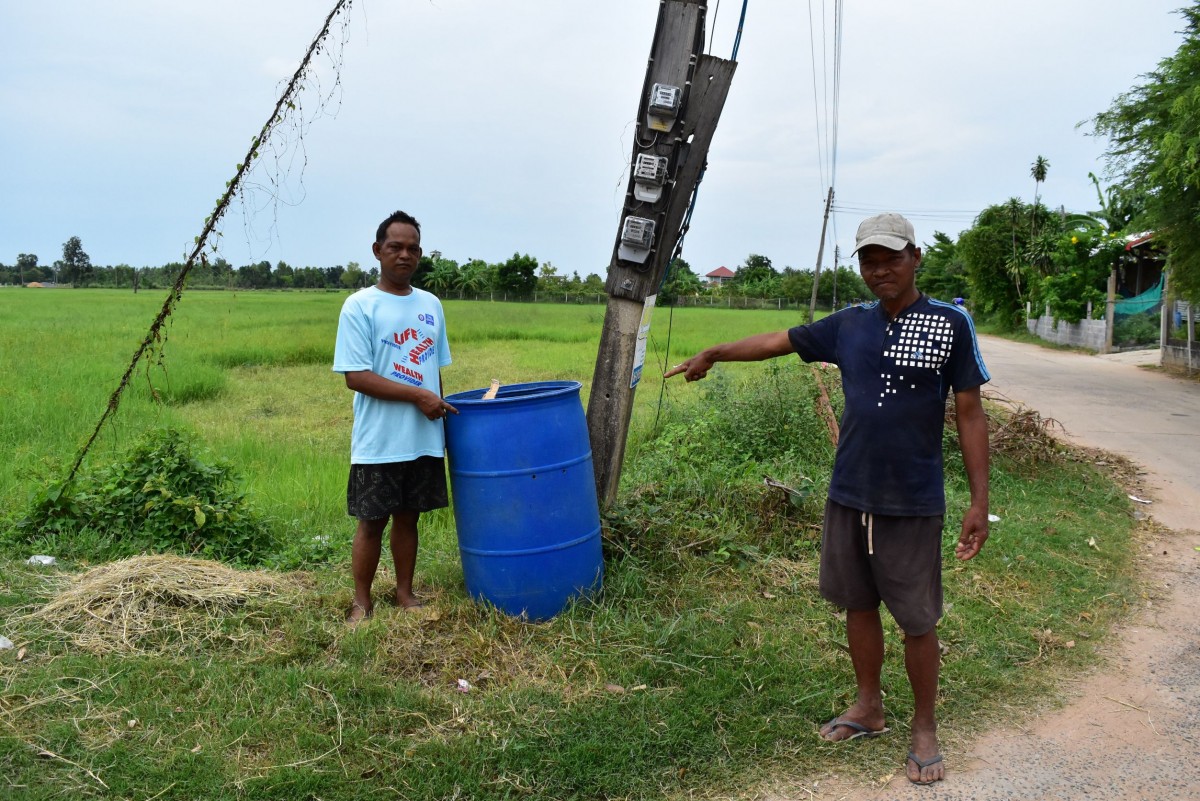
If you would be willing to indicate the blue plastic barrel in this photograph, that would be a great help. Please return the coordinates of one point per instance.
(525, 497)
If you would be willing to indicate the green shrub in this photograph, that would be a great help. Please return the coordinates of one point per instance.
(1136, 329)
(701, 482)
(162, 496)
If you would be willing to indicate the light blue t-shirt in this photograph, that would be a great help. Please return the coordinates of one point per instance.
(403, 339)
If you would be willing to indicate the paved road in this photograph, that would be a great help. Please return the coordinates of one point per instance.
(1131, 730)
(1109, 402)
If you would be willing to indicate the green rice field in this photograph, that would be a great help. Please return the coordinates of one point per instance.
(249, 372)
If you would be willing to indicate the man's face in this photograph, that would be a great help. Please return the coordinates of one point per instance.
(889, 274)
(399, 255)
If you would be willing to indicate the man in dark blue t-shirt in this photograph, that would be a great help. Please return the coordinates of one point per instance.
(899, 358)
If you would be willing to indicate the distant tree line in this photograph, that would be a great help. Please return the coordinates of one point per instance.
(1014, 252)
(519, 276)
(75, 268)
(758, 278)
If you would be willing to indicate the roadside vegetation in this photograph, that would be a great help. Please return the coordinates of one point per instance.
(703, 668)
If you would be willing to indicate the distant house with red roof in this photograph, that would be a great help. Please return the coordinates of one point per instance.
(719, 276)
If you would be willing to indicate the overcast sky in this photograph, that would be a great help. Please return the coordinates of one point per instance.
(506, 126)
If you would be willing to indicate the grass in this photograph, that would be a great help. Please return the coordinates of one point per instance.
(702, 670)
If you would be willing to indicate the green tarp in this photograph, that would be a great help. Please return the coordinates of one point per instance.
(1143, 302)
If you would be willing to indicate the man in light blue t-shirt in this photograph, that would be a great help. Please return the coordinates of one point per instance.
(391, 346)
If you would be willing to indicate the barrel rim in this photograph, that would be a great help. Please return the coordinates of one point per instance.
(516, 393)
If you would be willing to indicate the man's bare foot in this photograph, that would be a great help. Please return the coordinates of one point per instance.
(357, 614)
(860, 720)
(408, 601)
(924, 764)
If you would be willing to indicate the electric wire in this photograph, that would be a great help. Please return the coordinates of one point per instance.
(825, 80)
(947, 215)
(827, 92)
(826, 87)
(812, 49)
(687, 217)
(950, 218)
(716, 11)
(737, 40)
(683, 229)
(837, 85)
(838, 27)
(857, 206)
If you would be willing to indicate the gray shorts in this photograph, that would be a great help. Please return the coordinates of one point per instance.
(905, 570)
(376, 491)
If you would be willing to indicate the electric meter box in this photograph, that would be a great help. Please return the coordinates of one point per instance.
(649, 175)
(663, 108)
(637, 237)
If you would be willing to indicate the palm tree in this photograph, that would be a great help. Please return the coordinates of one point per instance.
(473, 276)
(1013, 263)
(1038, 171)
(1119, 207)
(443, 277)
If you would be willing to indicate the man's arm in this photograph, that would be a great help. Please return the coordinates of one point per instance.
(375, 385)
(973, 438)
(751, 349)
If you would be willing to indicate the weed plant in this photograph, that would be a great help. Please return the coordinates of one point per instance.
(742, 472)
(1136, 329)
(163, 496)
(703, 668)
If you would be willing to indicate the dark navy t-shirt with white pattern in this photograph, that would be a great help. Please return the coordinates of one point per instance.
(895, 377)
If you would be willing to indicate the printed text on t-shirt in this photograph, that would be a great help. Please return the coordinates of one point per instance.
(407, 374)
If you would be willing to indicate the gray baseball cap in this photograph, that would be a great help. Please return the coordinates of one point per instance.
(890, 230)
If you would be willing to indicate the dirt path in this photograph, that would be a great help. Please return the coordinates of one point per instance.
(1132, 729)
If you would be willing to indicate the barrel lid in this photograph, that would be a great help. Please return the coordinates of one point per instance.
(516, 392)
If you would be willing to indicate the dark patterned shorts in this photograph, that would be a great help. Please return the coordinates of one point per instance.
(866, 559)
(376, 491)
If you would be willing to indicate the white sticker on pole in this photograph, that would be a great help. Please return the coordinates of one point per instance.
(639, 353)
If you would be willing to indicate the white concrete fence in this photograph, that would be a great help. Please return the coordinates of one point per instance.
(1087, 333)
(1177, 338)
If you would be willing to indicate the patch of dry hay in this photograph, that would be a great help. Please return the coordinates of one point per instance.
(1015, 431)
(445, 642)
(148, 603)
(1022, 434)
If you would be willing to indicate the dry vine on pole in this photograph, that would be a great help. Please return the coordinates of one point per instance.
(283, 107)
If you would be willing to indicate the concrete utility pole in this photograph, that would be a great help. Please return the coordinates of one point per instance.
(837, 263)
(1110, 307)
(812, 305)
(681, 101)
